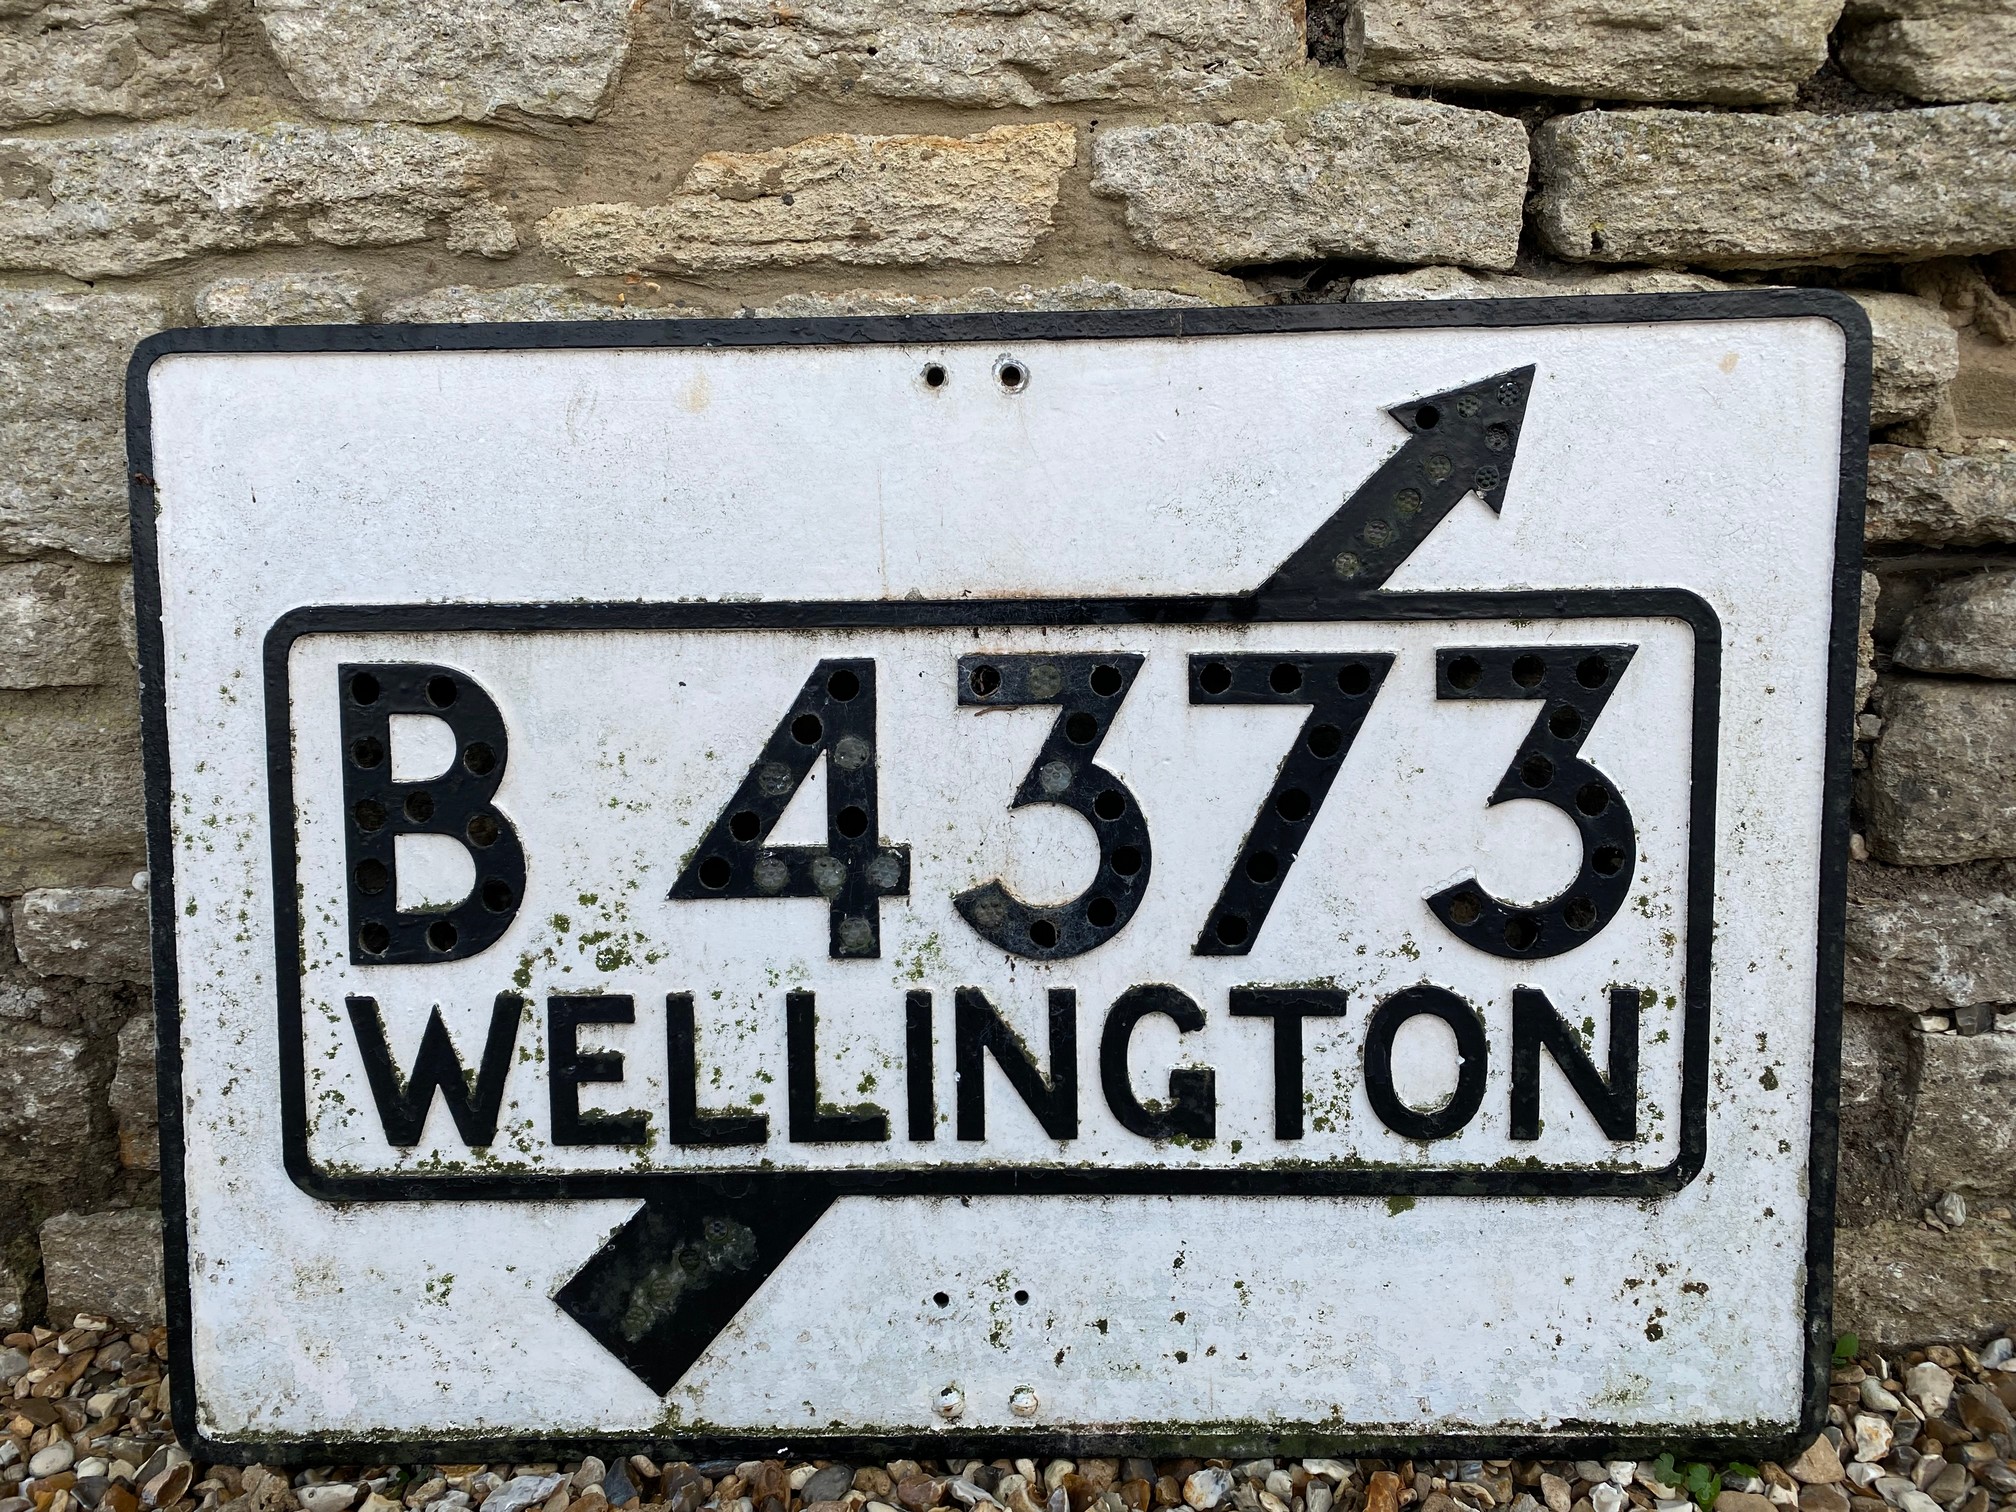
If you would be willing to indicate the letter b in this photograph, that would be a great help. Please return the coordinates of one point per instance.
(455, 803)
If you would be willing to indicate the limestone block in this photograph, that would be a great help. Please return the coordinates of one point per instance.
(446, 60)
(1965, 625)
(1932, 940)
(133, 1096)
(462, 303)
(1765, 190)
(1729, 52)
(70, 807)
(48, 1081)
(97, 933)
(1928, 498)
(1962, 1137)
(143, 199)
(282, 299)
(1900, 1283)
(1939, 50)
(1080, 294)
(1942, 785)
(59, 623)
(1283, 190)
(1461, 283)
(888, 200)
(62, 418)
(107, 1265)
(138, 58)
(1026, 53)
(1878, 1064)
(1865, 641)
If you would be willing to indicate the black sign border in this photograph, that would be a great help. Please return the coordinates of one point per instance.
(1570, 1438)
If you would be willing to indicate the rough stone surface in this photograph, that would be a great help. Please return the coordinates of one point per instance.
(47, 1077)
(1931, 499)
(1724, 51)
(282, 299)
(133, 1096)
(1962, 1136)
(1279, 190)
(1930, 941)
(135, 58)
(1878, 1070)
(70, 809)
(1025, 52)
(97, 933)
(1763, 190)
(1900, 1283)
(1964, 625)
(105, 1264)
(1940, 50)
(1943, 786)
(445, 60)
(1865, 640)
(62, 417)
(142, 199)
(1080, 294)
(462, 303)
(1461, 283)
(59, 623)
(920, 200)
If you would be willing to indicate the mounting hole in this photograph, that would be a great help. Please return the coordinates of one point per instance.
(807, 728)
(479, 758)
(1231, 930)
(1528, 670)
(1100, 913)
(367, 751)
(364, 688)
(941, 1299)
(1353, 679)
(419, 807)
(934, 375)
(1109, 805)
(1011, 375)
(369, 814)
(1126, 860)
(1292, 804)
(746, 825)
(1427, 417)
(1465, 909)
(497, 895)
(1592, 798)
(1536, 771)
(1021, 1298)
(1215, 677)
(442, 691)
(984, 681)
(1608, 860)
(1081, 728)
(1105, 681)
(374, 938)
(441, 935)
(372, 876)
(715, 872)
(1262, 867)
(1042, 934)
(1325, 741)
(1579, 914)
(1565, 723)
(1285, 678)
(1464, 671)
(851, 822)
(843, 685)
(1520, 932)
(1593, 672)
(482, 830)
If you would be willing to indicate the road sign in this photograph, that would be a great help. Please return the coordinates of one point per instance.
(1224, 878)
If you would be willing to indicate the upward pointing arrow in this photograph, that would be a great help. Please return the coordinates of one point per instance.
(1458, 442)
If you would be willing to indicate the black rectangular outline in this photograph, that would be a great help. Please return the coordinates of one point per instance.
(1301, 1179)
(1571, 1438)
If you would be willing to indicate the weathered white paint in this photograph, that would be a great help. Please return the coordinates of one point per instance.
(1700, 456)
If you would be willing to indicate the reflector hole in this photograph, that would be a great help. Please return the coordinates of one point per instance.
(1013, 376)
(1215, 678)
(1109, 805)
(1126, 860)
(745, 825)
(806, 729)
(1325, 741)
(496, 895)
(374, 938)
(843, 685)
(367, 751)
(372, 876)
(1536, 771)
(1465, 909)
(1292, 805)
(419, 807)
(715, 872)
(851, 822)
(1592, 798)
(1528, 670)
(1608, 860)
(1101, 913)
(479, 758)
(481, 829)
(364, 688)
(1105, 681)
(1042, 934)
(1520, 932)
(1593, 672)
(1081, 728)
(1285, 678)
(1354, 679)
(1262, 867)
(1464, 672)
(1021, 1299)
(441, 935)
(369, 814)
(1579, 914)
(442, 691)
(984, 680)
(1565, 722)
(941, 1299)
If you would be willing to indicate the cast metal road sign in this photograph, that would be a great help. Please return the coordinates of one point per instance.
(1242, 878)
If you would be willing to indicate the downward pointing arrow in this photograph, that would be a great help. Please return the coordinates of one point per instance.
(1458, 442)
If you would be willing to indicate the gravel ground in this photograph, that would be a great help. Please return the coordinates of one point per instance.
(83, 1424)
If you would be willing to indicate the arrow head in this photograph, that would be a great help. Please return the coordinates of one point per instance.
(1478, 423)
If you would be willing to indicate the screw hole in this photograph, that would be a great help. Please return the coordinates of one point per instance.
(1021, 1299)
(1464, 672)
(1042, 934)
(1101, 913)
(1012, 375)
(1105, 681)
(1126, 860)
(843, 685)
(1285, 678)
(441, 935)
(496, 895)
(984, 680)
(851, 822)
(934, 375)
(715, 872)
(364, 688)
(806, 729)
(1215, 677)
(372, 876)
(479, 758)
(442, 691)
(941, 1299)
(481, 829)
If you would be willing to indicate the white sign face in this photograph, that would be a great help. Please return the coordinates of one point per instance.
(1239, 879)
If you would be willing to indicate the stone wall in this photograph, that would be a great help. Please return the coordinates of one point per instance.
(173, 162)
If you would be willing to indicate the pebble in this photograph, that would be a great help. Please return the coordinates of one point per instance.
(515, 1495)
(1206, 1488)
(1914, 1500)
(333, 1496)
(829, 1484)
(13, 1365)
(1606, 1497)
(54, 1460)
(1930, 1386)
(1557, 1493)
(1317, 1498)
(1819, 1463)
(1996, 1353)
(1873, 1437)
(1876, 1398)
(1951, 1210)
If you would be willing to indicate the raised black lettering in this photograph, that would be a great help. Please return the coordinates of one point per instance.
(811, 1121)
(1614, 1104)
(688, 1125)
(1472, 1052)
(918, 1066)
(1287, 1006)
(1192, 1108)
(567, 1067)
(403, 1104)
(977, 1029)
